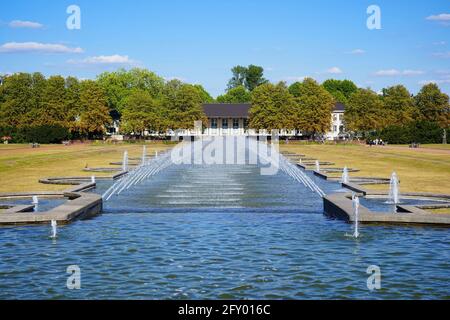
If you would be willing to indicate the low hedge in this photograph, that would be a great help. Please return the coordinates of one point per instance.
(417, 132)
(36, 134)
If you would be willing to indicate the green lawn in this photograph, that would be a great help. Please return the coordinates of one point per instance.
(426, 169)
(22, 166)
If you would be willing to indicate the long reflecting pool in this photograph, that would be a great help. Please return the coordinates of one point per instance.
(227, 232)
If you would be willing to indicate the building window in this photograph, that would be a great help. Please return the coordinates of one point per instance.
(334, 128)
(245, 124)
(235, 123)
(224, 123)
(334, 117)
(213, 123)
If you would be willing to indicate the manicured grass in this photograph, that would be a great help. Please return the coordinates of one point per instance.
(426, 169)
(440, 211)
(432, 146)
(22, 166)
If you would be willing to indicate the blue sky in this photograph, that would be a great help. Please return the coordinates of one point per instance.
(199, 41)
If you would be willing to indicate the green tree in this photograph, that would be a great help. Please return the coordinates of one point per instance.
(313, 107)
(250, 77)
(142, 113)
(365, 112)
(254, 77)
(433, 105)
(18, 99)
(235, 95)
(399, 105)
(272, 107)
(295, 89)
(206, 97)
(72, 102)
(118, 85)
(182, 105)
(341, 90)
(51, 108)
(94, 114)
(238, 78)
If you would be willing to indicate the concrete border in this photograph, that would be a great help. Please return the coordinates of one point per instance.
(80, 204)
(340, 206)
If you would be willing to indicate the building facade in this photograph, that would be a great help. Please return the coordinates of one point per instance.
(337, 130)
(233, 119)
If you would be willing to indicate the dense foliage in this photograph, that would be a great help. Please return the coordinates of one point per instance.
(35, 134)
(250, 77)
(415, 132)
(34, 108)
(341, 90)
(367, 111)
(31, 104)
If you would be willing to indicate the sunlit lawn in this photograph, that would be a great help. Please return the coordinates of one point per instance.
(426, 169)
(440, 211)
(22, 166)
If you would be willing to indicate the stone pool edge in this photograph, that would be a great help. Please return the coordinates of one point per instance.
(80, 204)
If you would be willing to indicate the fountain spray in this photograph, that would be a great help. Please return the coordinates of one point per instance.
(54, 230)
(144, 154)
(394, 189)
(125, 161)
(345, 178)
(317, 166)
(35, 202)
(355, 200)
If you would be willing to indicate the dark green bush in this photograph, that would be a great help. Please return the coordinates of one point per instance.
(36, 134)
(419, 132)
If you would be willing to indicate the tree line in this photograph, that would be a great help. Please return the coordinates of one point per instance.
(307, 105)
(144, 101)
(85, 108)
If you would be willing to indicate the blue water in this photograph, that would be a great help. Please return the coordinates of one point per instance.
(196, 232)
(44, 203)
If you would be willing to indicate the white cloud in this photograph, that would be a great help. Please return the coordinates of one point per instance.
(439, 17)
(292, 79)
(104, 60)
(445, 55)
(25, 24)
(334, 70)
(441, 81)
(36, 47)
(412, 72)
(388, 73)
(440, 43)
(397, 73)
(357, 51)
(443, 73)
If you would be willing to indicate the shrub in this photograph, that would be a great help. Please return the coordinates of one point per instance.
(36, 134)
(424, 132)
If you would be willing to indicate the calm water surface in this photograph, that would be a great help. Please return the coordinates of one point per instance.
(226, 232)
